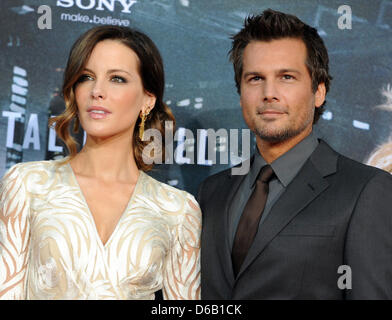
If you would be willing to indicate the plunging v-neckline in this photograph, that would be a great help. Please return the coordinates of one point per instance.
(91, 217)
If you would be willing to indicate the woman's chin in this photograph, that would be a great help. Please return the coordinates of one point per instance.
(106, 135)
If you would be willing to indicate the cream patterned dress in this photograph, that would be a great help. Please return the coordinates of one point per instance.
(50, 247)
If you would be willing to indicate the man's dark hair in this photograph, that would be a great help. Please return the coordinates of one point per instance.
(274, 25)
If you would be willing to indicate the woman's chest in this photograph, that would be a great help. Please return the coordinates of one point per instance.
(64, 229)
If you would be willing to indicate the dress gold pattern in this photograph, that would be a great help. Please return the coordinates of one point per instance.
(50, 247)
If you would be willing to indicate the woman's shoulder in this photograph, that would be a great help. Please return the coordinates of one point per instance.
(165, 189)
(179, 205)
(23, 168)
(168, 197)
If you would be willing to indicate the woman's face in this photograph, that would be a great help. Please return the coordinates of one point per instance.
(109, 93)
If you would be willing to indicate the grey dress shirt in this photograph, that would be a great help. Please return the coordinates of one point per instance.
(286, 167)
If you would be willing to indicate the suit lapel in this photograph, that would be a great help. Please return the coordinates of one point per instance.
(225, 197)
(304, 188)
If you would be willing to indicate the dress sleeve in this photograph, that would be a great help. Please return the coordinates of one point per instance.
(14, 235)
(181, 280)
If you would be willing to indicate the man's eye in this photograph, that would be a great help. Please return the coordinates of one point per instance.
(287, 77)
(255, 78)
(118, 79)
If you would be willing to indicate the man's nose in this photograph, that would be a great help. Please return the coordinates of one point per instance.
(270, 92)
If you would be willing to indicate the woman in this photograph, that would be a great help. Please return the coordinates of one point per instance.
(95, 226)
(381, 157)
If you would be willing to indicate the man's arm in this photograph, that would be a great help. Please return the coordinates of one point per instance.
(368, 249)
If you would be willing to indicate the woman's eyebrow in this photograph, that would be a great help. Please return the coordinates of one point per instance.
(109, 71)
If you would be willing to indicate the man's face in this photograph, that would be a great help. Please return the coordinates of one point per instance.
(276, 90)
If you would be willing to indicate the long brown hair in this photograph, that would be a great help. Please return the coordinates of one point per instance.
(151, 72)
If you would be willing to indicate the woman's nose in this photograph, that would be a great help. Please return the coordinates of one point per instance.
(98, 90)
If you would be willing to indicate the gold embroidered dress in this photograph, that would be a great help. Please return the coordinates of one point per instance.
(50, 247)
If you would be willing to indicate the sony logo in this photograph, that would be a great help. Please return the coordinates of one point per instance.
(97, 4)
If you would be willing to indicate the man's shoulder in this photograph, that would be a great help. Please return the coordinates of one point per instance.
(223, 174)
(225, 179)
(361, 170)
(238, 170)
(345, 164)
(350, 171)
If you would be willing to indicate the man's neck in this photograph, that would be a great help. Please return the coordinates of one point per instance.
(273, 150)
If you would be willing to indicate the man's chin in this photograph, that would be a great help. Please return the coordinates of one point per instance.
(275, 137)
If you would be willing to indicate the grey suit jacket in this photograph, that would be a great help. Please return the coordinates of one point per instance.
(336, 212)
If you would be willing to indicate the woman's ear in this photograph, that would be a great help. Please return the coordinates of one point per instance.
(149, 104)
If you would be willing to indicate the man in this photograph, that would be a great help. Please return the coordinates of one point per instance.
(305, 222)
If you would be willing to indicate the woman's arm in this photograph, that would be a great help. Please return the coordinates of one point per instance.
(14, 235)
(182, 272)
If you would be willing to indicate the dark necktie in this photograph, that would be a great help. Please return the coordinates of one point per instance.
(250, 218)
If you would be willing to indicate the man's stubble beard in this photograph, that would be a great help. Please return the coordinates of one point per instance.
(281, 134)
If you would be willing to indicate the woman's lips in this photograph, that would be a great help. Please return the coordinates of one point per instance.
(97, 112)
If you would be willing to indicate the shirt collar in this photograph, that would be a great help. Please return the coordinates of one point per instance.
(287, 166)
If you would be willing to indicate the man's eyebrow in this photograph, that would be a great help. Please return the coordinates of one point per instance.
(280, 71)
(252, 73)
(287, 71)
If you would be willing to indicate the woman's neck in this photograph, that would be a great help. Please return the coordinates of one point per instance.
(110, 159)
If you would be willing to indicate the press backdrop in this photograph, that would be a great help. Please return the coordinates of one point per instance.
(193, 37)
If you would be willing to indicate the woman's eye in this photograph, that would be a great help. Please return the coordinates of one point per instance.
(85, 77)
(118, 79)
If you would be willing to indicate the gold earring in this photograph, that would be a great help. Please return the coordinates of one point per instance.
(143, 116)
